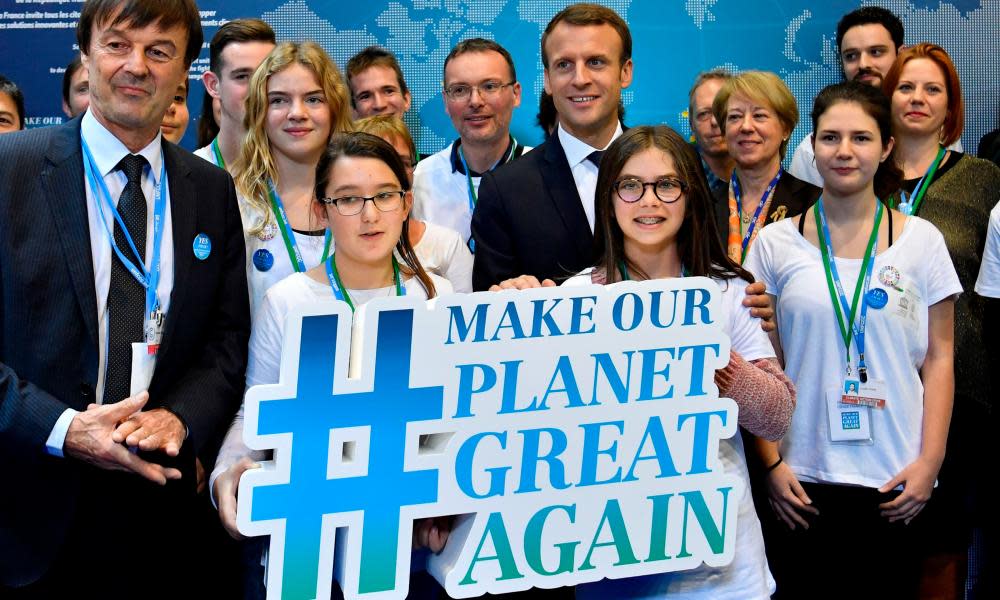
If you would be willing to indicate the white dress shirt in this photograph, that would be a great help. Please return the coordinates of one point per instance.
(584, 171)
(108, 151)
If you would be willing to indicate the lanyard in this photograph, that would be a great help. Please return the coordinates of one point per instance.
(147, 279)
(473, 196)
(758, 218)
(340, 292)
(294, 254)
(840, 308)
(219, 161)
(910, 206)
(624, 271)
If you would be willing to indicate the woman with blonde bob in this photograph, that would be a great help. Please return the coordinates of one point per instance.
(757, 113)
(296, 102)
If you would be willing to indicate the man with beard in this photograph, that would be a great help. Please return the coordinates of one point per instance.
(867, 40)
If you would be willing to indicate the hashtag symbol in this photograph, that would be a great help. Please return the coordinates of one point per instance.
(387, 487)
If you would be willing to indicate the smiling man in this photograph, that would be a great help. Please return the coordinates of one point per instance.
(123, 339)
(480, 94)
(536, 216)
(377, 84)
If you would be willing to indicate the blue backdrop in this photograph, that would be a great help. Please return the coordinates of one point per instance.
(673, 41)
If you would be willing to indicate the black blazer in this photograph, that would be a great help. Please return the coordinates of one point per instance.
(529, 220)
(792, 197)
(48, 328)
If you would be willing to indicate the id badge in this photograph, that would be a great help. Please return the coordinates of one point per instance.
(871, 393)
(849, 423)
(143, 363)
(153, 331)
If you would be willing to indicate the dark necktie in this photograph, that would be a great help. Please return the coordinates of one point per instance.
(595, 157)
(126, 296)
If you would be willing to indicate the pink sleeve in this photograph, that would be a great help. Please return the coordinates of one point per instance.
(765, 396)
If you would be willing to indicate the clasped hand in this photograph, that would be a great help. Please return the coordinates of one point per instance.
(96, 436)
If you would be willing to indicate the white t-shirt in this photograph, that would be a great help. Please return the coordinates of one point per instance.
(803, 165)
(988, 283)
(896, 339)
(443, 251)
(441, 193)
(748, 576)
(268, 335)
(258, 280)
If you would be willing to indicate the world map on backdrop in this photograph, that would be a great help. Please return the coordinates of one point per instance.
(673, 40)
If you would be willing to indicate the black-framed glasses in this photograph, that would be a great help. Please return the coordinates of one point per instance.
(459, 92)
(352, 205)
(667, 189)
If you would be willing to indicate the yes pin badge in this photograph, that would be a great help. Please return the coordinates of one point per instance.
(263, 260)
(877, 298)
(202, 246)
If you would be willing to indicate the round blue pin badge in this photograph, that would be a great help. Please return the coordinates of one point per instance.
(263, 260)
(202, 246)
(877, 298)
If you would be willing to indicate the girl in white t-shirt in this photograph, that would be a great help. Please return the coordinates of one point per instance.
(865, 306)
(295, 101)
(654, 220)
(364, 199)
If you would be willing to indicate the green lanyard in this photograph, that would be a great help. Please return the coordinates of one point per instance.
(219, 161)
(912, 205)
(294, 254)
(473, 196)
(625, 277)
(847, 329)
(340, 291)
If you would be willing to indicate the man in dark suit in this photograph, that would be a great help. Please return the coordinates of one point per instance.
(124, 322)
(535, 216)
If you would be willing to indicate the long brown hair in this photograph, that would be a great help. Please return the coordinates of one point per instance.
(699, 245)
(365, 145)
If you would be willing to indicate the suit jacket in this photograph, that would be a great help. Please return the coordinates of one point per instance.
(792, 197)
(48, 328)
(529, 220)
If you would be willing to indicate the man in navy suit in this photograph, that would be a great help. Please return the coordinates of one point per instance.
(535, 216)
(124, 322)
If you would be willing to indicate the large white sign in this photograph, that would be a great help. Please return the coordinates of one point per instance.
(575, 430)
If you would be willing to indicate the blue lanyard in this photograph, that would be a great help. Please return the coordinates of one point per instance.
(340, 293)
(148, 279)
(294, 254)
(735, 182)
(858, 328)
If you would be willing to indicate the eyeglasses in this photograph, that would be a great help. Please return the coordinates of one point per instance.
(351, 205)
(460, 92)
(666, 189)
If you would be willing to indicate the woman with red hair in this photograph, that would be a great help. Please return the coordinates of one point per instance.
(955, 192)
